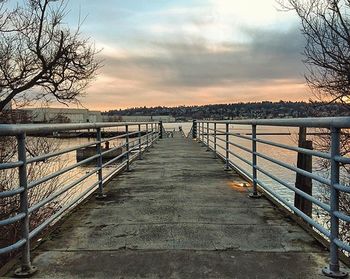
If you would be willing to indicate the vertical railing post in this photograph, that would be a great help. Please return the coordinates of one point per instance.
(255, 193)
(147, 138)
(100, 194)
(208, 147)
(140, 142)
(26, 268)
(198, 131)
(152, 135)
(203, 136)
(194, 129)
(160, 129)
(127, 148)
(215, 139)
(333, 270)
(155, 133)
(160, 132)
(227, 157)
(203, 142)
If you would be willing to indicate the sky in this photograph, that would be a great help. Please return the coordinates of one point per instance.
(191, 52)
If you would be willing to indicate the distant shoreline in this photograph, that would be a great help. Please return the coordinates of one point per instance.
(240, 110)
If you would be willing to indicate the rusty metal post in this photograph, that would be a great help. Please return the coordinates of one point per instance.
(302, 182)
(160, 127)
(194, 129)
(255, 194)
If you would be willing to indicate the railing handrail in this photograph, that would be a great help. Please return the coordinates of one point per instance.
(130, 150)
(206, 133)
(312, 122)
(16, 129)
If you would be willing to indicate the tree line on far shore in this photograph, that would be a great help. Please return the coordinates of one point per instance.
(242, 110)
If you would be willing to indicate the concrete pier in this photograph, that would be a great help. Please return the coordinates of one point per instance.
(178, 214)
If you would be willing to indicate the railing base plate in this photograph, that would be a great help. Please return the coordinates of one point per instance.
(25, 273)
(334, 274)
(254, 196)
(100, 196)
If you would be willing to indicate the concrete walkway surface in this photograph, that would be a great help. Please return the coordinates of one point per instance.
(178, 214)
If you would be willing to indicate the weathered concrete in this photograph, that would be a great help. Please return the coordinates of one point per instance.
(178, 214)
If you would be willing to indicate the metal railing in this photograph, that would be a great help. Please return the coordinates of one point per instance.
(135, 139)
(219, 135)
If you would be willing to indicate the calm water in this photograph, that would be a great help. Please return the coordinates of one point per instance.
(70, 159)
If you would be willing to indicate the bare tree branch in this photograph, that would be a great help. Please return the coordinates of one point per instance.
(325, 25)
(40, 56)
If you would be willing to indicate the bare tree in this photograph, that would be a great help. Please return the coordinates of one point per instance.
(326, 28)
(41, 58)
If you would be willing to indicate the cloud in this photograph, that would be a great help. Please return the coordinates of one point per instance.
(192, 70)
(192, 52)
(197, 63)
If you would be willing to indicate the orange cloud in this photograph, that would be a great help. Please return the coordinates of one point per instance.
(129, 94)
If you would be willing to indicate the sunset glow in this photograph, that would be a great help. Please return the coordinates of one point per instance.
(173, 53)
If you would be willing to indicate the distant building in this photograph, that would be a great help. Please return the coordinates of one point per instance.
(137, 118)
(95, 116)
(164, 118)
(14, 116)
(62, 115)
(111, 118)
